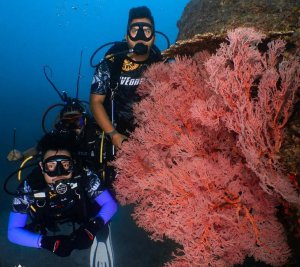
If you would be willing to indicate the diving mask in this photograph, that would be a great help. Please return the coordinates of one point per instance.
(140, 31)
(71, 122)
(58, 165)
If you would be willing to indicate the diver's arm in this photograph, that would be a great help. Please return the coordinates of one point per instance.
(60, 245)
(108, 206)
(32, 151)
(15, 154)
(99, 112)
(99, 88)
(102, 119)
(18, 234)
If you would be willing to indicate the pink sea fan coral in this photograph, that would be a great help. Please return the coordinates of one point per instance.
(186, 169)
(237, 72)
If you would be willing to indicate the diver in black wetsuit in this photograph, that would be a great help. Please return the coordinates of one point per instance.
(117, 76)
(57, 192)
(113, 89)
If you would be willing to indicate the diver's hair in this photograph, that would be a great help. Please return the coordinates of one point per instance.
(57, 141)
(139, 13)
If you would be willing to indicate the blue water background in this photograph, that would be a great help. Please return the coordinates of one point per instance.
(35, 33)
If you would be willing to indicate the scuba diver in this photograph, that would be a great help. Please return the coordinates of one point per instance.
(117, 76)
(115, 81)
(73, 119)
(58, 193)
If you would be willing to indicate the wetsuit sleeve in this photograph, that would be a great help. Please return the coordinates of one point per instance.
(93, 185)
(23, 200)
(97, 192)
(108, 206)
(18, 234)
(101, 79)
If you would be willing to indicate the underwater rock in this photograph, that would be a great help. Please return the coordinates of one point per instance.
(219, 16)
(204, 23)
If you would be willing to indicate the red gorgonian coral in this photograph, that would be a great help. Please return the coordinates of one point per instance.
(201, 167)
(237, 72)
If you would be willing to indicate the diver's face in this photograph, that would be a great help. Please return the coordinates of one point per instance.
(57, 165)
(140, 31)
(72, 121)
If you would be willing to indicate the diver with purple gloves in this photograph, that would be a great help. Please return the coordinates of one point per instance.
(56, 194)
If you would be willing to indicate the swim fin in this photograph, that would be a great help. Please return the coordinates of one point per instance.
(101, 254)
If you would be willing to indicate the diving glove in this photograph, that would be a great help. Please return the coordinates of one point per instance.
(84, 236)
(60, 245)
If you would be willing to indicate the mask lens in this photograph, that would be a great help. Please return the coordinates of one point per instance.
(50, 166)
(147, 31)
(133, 31)
(66, 164)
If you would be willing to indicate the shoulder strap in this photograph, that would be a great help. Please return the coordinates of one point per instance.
(116, 62)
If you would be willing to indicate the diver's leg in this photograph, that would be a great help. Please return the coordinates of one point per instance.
(101, 254)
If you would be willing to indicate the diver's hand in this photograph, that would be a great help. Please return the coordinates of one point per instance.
(84, 236)
(60, 245)
(118, 139)
(14, 155)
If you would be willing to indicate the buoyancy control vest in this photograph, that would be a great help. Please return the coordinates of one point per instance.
(89, 147)
(58, 203)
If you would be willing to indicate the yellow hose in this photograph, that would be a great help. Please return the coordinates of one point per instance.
(21, 166)
(101, 147)
(101, 153)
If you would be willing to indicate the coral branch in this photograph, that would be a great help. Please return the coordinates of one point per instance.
(259, 119)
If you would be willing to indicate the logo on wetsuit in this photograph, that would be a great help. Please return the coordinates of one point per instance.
(129, 81)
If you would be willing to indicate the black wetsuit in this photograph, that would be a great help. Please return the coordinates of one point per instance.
(124, 74)
(51, 204)
(121, 75)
